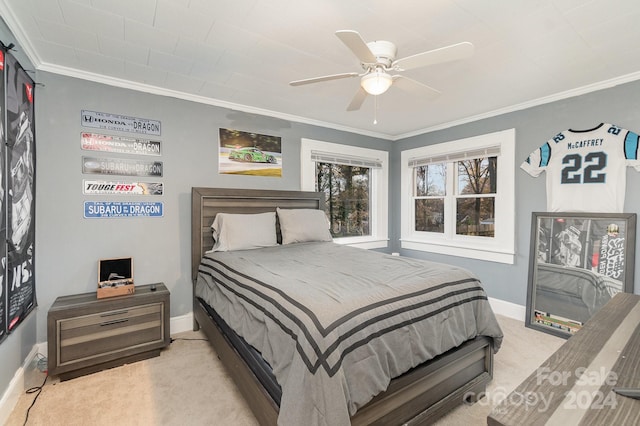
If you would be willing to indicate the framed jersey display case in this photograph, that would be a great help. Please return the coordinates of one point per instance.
(578, 262)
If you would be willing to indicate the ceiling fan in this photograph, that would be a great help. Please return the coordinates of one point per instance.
(378, 59)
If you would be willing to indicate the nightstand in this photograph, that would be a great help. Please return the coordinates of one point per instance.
(86, 334)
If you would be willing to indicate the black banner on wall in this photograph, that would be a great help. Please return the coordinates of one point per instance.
(19, 193)
(3, 221)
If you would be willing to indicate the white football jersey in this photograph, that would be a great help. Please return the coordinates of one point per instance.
(586, 169)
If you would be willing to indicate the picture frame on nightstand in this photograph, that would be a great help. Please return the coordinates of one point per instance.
(115, 277)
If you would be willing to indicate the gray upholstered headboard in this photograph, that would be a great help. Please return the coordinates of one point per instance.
(207, 202)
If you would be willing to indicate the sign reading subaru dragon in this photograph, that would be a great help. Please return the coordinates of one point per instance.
(105, 209)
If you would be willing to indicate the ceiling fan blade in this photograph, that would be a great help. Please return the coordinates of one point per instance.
(357, 100)
(413, 86)
(357, 45)
(436, 56)
(323, 78)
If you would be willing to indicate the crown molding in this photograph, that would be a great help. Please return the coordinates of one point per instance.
(127, 84)
(146, 88)
(606, 84)
(19, 33)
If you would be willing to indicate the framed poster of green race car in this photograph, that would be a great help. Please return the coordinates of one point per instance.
(577, 263)
(254, 154)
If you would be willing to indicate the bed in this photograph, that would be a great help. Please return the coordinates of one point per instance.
(328, 351)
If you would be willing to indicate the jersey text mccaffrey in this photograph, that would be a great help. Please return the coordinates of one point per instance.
(586, 169)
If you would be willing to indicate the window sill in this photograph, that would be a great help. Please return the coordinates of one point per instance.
(481, 253)
(363, 242)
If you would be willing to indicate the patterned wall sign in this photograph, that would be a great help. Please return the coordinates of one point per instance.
(122, 123)
(121, 166)
(108, 209)
(99, 187)
(119, 144)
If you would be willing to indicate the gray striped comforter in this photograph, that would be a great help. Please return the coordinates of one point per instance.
(337, 323)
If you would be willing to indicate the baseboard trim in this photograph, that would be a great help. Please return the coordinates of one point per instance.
(17, 385)
(182, 323)
(508, 309)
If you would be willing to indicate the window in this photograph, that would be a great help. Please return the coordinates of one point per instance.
(458, 197)
(355, 181)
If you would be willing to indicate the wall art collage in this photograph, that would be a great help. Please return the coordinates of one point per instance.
(131, 157)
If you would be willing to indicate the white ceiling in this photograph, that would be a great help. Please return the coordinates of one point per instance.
(243, 53)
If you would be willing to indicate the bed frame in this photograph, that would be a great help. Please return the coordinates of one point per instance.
(418, 397)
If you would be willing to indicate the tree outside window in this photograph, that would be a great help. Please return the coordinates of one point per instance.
(474, 199)
(348, 198)
(430, 190)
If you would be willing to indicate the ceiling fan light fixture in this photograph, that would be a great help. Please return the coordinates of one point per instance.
(376, 83)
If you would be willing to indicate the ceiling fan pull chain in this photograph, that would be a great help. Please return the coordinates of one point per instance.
(375, 109)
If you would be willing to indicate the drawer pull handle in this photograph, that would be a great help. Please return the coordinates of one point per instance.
(114, 322)
(112, 313)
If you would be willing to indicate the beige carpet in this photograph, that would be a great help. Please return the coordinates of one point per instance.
(187, 385)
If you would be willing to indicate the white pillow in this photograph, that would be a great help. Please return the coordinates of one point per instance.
(302, 225)
(244, 231)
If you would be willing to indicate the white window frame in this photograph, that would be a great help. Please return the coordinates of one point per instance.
(501, 247)
(379, 185)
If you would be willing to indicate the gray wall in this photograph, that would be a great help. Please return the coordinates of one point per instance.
(534, 126)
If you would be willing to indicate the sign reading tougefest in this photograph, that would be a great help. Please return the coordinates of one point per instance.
(108, 209)
(122, 123)
(99, 187)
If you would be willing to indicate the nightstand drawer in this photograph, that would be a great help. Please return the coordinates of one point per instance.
(102, 334)
(109, 318)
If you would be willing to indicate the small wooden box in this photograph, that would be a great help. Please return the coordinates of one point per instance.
(115, 277)
(121, 290)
